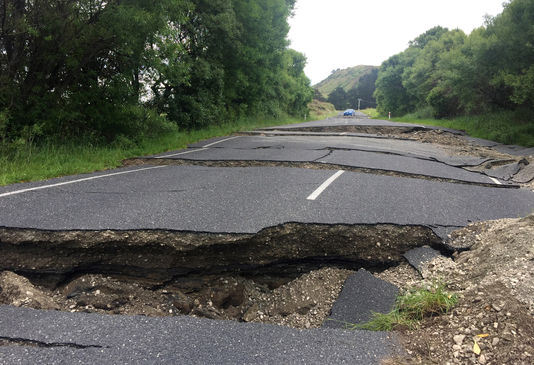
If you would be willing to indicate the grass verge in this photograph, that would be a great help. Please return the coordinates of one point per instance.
(506, 127)
(411, 308)
(48, 160)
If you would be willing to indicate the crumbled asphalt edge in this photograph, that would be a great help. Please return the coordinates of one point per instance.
(305, 165)
(160, 256)
(362, 294)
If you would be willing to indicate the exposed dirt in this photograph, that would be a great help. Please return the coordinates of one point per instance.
(160, 256)
(303, 302)
(288, 275)
(496, 307)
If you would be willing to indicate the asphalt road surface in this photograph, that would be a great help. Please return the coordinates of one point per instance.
(349, 179)
(248, 199)
(99, 339)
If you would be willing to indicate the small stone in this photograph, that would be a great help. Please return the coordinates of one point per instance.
(495, 341)
(495, 325)
(459, 339)
(456, 347)
(97, 292)
(482, 359)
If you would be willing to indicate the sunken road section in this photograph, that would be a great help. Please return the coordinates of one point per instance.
(217, 276)
(159, 256)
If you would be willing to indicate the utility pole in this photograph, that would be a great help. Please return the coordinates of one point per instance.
(359, 101)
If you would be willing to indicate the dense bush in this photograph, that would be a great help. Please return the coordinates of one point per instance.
(107, 68)
(455, 74)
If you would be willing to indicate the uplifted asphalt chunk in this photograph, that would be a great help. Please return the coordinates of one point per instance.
(419, 256)
(69, 338)
(506, 172)
(402, 164)
(525, 175)
(362, 295)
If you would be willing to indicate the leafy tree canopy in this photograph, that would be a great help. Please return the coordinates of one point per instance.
(105, 68)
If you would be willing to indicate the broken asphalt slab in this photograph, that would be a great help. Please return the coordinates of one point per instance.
(47, 337)
(391, 155)
(362, 294)
(246, 200)
(309, 143)
(419, 256)
(505, 172)
(402, 164)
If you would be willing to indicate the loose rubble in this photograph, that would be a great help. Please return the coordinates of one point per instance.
(494, 320)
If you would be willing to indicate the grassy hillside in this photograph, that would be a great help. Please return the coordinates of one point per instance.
(321, 110)
(346, 78)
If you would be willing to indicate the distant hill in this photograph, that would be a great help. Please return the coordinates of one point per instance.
(347, 79)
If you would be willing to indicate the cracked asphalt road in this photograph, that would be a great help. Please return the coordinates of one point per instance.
(244, 199)
(248, 199)
(89, 339)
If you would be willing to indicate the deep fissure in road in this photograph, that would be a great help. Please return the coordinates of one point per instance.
(277, 273)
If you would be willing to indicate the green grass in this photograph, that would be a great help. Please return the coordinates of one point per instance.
(48, 160)
(506, 127)
(373, 113)
(411, 308)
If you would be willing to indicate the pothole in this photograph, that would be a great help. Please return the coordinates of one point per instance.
(288, 275)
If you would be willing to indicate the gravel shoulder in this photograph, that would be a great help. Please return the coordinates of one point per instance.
(495, 313)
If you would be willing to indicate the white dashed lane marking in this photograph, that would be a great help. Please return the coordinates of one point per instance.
(325, 185)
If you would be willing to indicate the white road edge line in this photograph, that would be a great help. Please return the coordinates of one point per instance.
(203, 148)
(76, 181)
(222, 140)
(183, 153)
(325, 185)
(495, 181)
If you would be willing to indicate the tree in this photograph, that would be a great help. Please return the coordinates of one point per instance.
(390, 94)
(513, 33)
(364, 91)
(105, 68)
(338, 97)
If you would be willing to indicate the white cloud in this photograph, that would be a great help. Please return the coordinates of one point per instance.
(343, 33)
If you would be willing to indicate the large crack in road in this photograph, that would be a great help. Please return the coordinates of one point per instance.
(289, 274)
(218, 276)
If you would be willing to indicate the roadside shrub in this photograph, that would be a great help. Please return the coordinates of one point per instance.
(411, 308)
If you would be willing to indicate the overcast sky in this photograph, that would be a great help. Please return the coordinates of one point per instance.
(344, 33)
